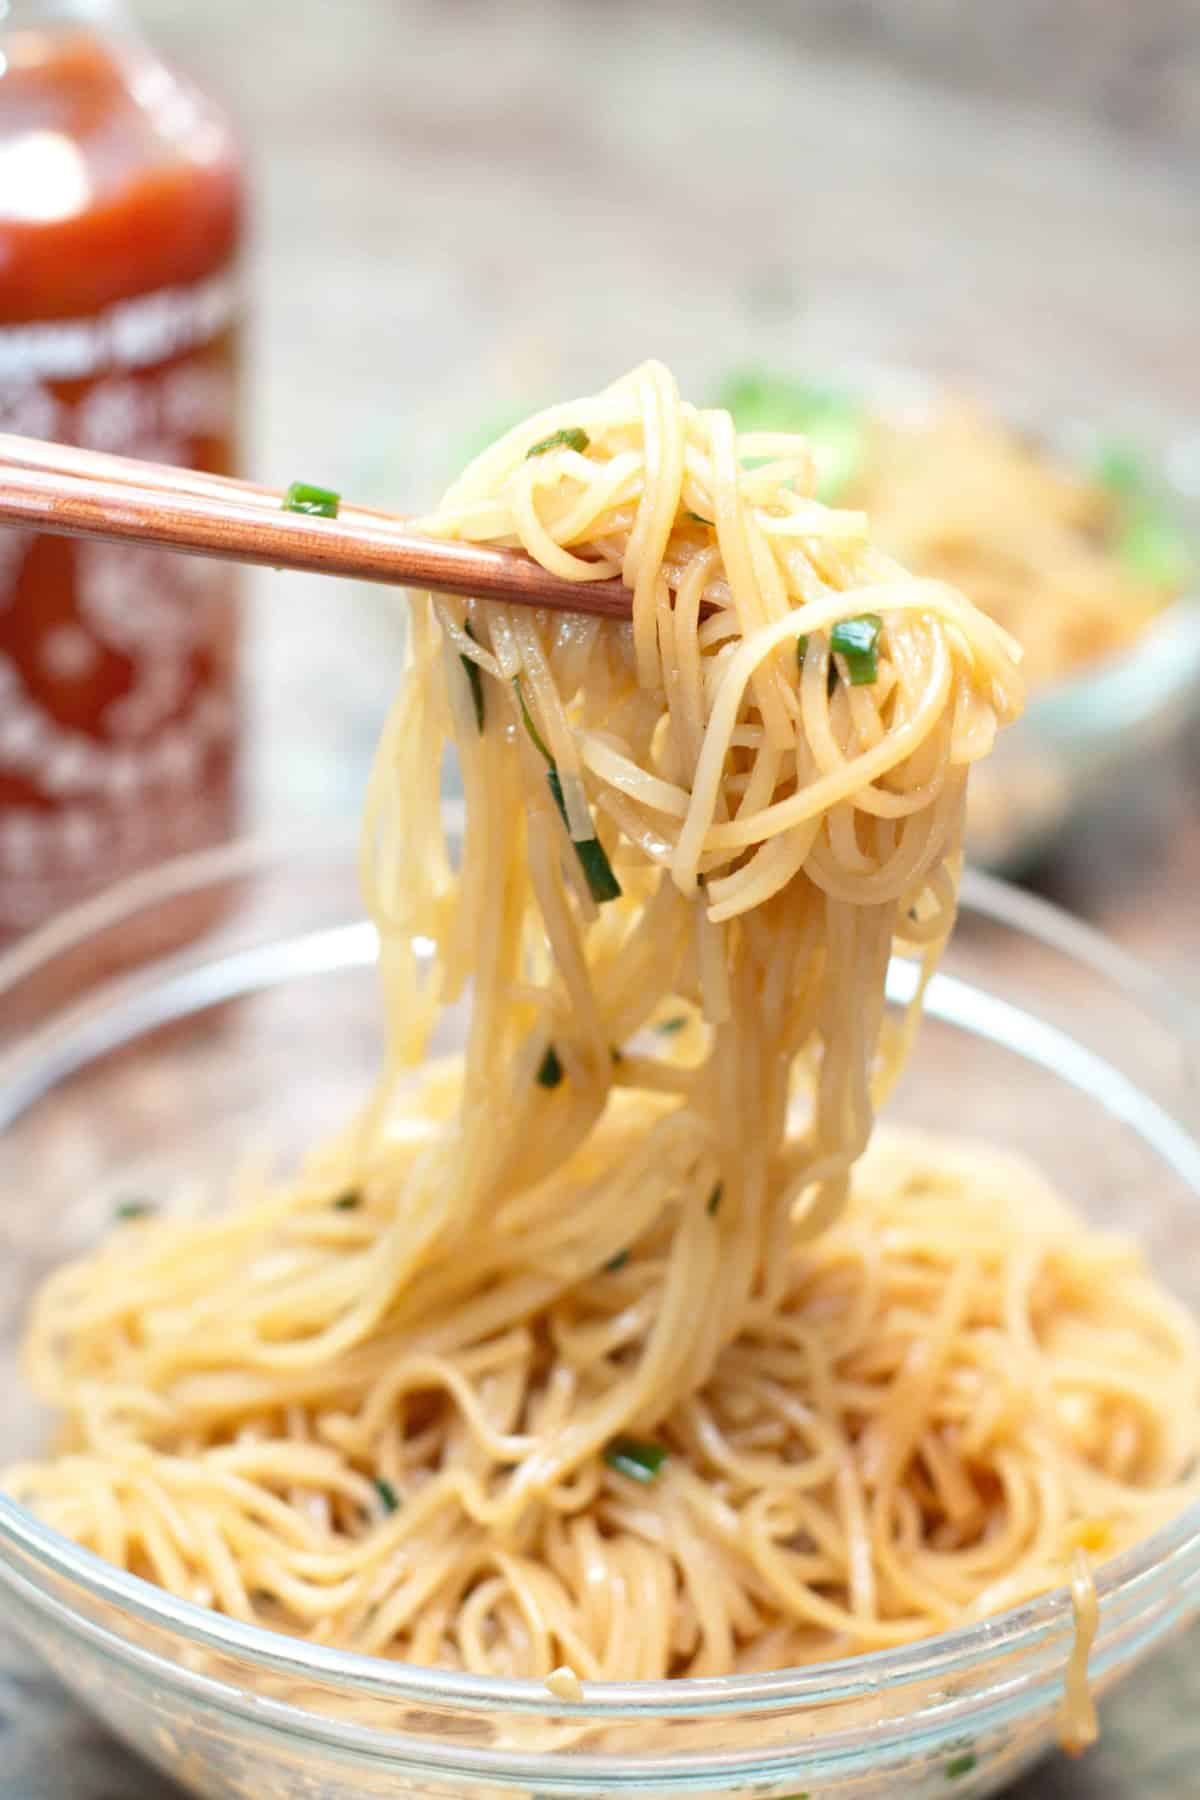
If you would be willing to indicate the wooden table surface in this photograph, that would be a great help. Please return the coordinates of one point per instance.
(463, 211)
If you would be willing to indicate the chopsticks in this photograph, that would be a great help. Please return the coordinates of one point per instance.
(86, 493)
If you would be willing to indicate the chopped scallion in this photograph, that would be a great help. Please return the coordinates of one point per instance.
(535, 736)
(303, 497)
(1147, 538)
(593, 858)
(135, 1209)
(571, 437)
(695, 517)
(1153, 548)
(801, 649)
(668, 1027)
(618, 1261)
(714, 1199)
(958, 1766)
(474, 676)
(858, 641)
(635, 1457)
(550, 1070)
(616, 1056)
(387, 1495)
(348, 1201)
(1120, 469)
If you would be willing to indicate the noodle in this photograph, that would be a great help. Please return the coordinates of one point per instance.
(1080, 1725)
(609, 1349)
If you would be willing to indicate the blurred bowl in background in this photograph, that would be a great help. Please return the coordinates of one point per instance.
(1077, 736)
(1104, 721)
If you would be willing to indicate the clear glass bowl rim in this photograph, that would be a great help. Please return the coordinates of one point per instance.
(1021, 1629)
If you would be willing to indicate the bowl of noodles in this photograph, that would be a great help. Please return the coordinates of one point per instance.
(651, 1306)
(1085, 548)
(144, 1087)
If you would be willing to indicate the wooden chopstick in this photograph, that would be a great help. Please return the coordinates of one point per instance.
(68, 459)
(86, 493)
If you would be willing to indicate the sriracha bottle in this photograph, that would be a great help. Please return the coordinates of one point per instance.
(120, 220)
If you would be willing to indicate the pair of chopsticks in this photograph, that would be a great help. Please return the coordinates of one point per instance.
(85, 493)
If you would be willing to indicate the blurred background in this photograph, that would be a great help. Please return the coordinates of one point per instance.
(457, 211)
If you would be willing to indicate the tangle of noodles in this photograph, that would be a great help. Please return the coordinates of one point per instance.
(602, 1351)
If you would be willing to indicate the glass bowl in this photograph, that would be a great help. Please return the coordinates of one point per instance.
(144, 1059)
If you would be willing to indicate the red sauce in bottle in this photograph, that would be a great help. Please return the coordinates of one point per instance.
(120, 217)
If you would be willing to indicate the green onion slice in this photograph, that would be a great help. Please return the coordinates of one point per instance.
(714, 1199)
(536, 738)
(571, 437)
(303, 497)
(669, 1027)
(1148, 540)
(1154, 549)
(640, 1460)
(387, 1495)
(1121, 470)
(618, 1261)
(593, 858)
(474, 676)
(136, 1209)
(858, 641)
(550, 1070)
(348, 1201)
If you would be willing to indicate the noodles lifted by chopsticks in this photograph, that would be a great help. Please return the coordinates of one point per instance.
(575, 1355)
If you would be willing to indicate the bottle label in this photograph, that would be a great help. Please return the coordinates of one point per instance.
(134, 334)
(116, 661)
